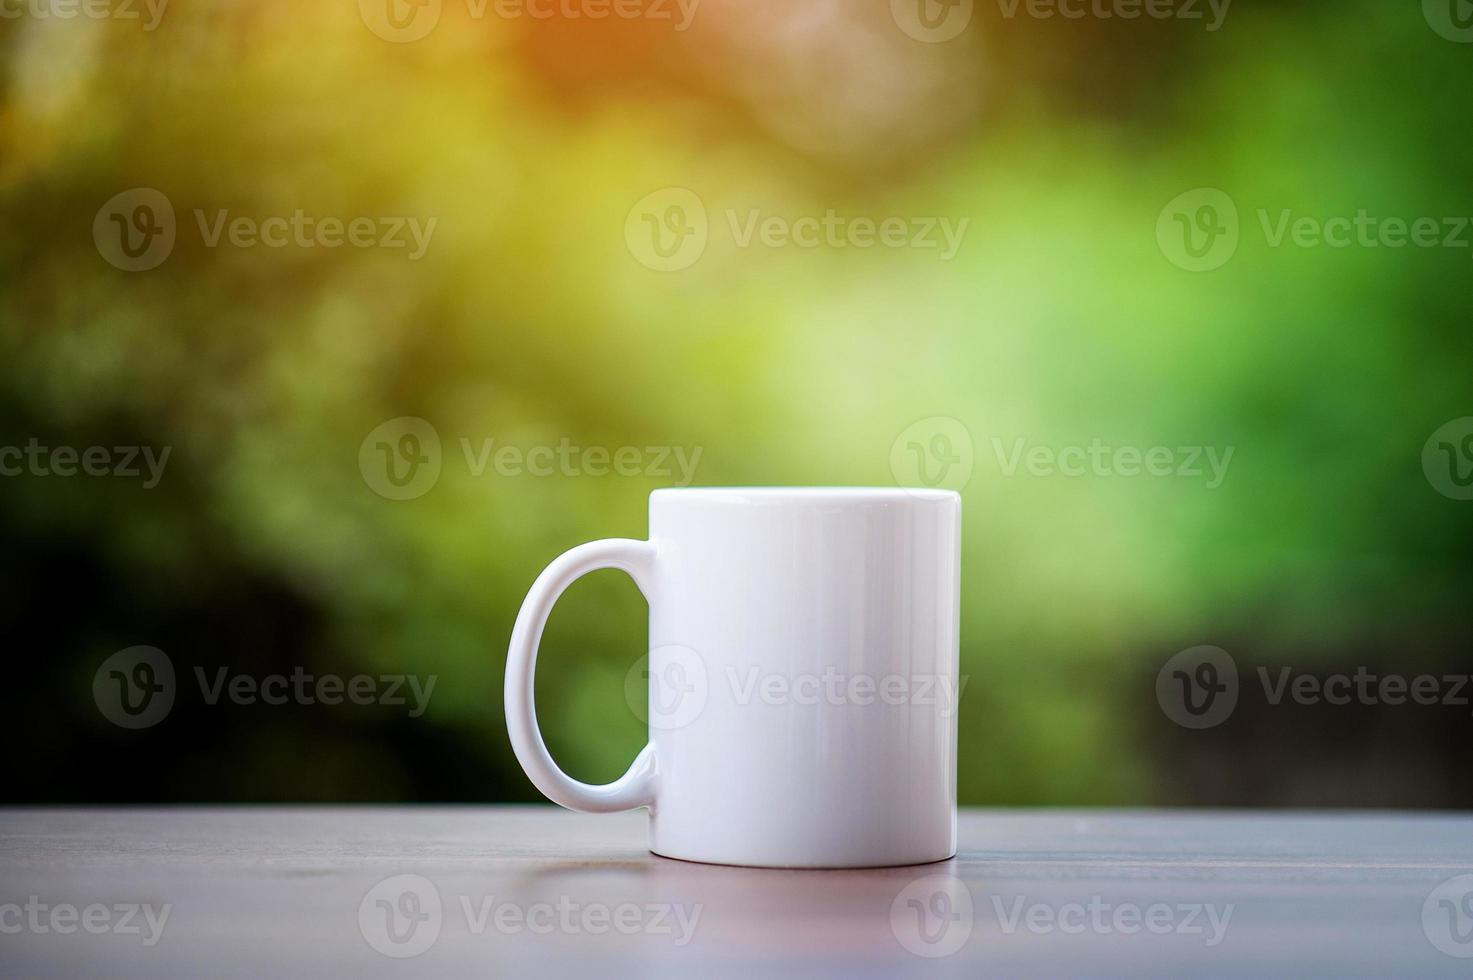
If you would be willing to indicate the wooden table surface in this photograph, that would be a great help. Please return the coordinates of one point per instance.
(531, 891)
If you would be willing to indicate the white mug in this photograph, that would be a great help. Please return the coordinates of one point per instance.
(803, 676)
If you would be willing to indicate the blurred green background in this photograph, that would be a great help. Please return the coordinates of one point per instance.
(534, 316)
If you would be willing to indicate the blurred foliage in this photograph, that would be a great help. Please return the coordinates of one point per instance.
(529, 321)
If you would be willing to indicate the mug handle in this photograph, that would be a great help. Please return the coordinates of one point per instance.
(636, 787)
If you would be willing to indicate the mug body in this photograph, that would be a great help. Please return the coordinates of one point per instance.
(804, 678)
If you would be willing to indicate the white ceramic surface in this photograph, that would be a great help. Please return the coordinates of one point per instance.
(803, 676)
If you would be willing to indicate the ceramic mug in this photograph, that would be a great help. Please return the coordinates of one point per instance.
(803, 673)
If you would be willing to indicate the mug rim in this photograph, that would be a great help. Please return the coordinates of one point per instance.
(806, 493)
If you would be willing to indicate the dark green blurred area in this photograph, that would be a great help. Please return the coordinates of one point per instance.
(529, 320)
